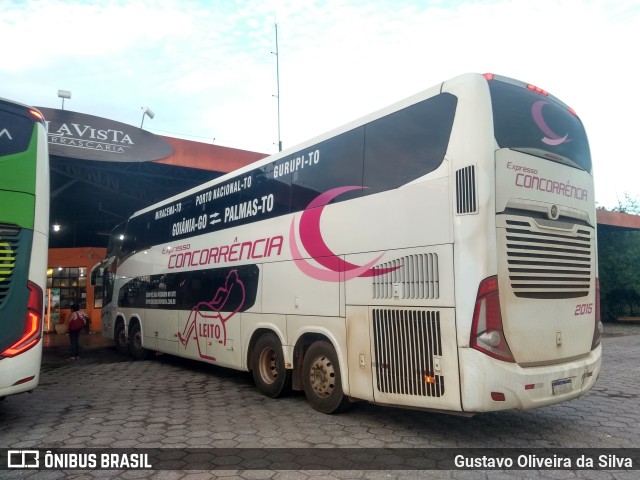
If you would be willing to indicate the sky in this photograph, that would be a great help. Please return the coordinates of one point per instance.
(208, 71)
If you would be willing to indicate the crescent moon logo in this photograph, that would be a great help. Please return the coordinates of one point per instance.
(552, 138)
(332, 268)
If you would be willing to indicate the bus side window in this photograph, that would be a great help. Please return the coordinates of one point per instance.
(136, 236)
(115, 240)
(408, 144)
(336, 162)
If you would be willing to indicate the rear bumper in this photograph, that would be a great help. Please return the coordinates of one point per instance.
(523, 388)
(17, 369)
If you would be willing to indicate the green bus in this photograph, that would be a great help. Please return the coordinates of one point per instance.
(24, 234)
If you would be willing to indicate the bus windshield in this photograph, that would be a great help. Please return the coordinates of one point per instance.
(115, 239)
(535, 123)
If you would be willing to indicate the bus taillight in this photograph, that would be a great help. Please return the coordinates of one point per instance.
(32, 323)
(487, 333)
(36, 114)
(537, 90)
(597, 331)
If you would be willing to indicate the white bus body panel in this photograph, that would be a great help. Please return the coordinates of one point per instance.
(41, 217)
(286, 290)
(424, 279)
(160, 331)
(472, 145)
(523, 388)
(518, 178)
(387, 366)
(25, 365)
(539, 325)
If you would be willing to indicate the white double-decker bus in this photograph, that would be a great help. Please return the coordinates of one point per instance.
(437, 254)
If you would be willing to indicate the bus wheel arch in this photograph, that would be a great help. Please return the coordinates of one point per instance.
(120, 337)
(317, 372)
(266, 361)
(137, 351)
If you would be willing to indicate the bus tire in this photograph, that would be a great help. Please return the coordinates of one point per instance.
(120, 338)
(267, 365)
(321, 378)
(138, 352)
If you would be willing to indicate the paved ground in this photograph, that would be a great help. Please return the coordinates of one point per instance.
(107, 401)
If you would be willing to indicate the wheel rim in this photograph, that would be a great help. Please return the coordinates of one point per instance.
(137, 341)
(268, 365)
(322, 376)
(122, 339)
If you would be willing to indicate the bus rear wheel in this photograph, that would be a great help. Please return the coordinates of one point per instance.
(267, 363)
(321, 378)
(138, 352)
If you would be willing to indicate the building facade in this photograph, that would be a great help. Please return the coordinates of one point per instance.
(102, 171)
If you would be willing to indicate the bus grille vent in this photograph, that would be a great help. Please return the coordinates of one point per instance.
(8, 253)
(407, 351)
(548, 264)
(466, 199)
(413, 277)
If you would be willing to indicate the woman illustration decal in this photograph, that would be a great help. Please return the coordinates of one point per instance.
(213, 314)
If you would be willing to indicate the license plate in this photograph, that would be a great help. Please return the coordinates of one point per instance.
(561, 386)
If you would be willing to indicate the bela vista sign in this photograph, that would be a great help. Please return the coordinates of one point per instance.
(78, 135)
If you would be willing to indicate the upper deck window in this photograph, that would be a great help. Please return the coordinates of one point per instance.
(409, 143)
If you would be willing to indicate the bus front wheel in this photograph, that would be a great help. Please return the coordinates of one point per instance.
(267, 363)
(321, 378)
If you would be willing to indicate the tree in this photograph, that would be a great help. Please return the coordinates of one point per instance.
(629, 205)
(619, 266)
